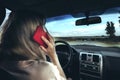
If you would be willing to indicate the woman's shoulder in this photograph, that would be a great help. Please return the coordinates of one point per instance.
(47, 70)
(51, 71)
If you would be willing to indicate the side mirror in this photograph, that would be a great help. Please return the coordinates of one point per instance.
(87, 21)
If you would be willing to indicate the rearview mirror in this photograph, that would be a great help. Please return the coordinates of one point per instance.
(87, 21)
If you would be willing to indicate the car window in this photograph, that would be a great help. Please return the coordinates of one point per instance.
(64, 26)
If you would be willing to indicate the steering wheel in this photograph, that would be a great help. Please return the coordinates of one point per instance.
(64, 52)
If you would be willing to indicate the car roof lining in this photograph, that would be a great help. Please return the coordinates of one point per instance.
(52, 8)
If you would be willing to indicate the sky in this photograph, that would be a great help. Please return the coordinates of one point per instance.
(63, 26)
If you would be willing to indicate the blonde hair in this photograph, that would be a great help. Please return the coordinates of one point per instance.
(16, 41)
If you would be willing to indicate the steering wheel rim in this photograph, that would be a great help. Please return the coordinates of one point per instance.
(70, 51)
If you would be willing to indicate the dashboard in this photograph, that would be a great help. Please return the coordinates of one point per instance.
(92, 62)
(91, 65)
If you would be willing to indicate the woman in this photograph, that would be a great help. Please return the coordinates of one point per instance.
(21, 56)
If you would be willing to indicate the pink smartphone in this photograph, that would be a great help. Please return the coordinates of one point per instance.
(38, 34)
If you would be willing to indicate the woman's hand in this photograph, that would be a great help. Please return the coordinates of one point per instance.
(50, 50)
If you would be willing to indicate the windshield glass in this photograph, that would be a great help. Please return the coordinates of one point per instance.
(63, 27)
(66, 27)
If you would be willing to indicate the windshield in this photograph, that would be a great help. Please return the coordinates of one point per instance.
(66, 27)
(63, 27)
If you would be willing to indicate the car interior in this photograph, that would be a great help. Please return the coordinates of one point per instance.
(87, 47)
